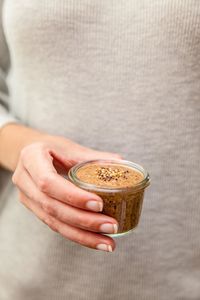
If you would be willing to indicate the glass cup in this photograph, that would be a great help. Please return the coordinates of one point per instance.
(122, 203)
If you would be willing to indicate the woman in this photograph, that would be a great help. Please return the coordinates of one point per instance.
(99, 79)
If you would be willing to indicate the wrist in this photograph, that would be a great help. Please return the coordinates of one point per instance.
(13, 138)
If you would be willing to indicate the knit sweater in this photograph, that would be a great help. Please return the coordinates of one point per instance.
(120, 76)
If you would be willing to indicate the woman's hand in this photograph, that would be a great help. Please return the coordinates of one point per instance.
(65, 208)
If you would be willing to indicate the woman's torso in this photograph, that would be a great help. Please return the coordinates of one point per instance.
(117, 76)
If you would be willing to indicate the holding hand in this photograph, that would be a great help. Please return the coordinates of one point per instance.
(65, 208)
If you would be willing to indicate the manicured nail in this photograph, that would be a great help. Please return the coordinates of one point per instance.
(104, 247)
(94, 205)
(109, 228)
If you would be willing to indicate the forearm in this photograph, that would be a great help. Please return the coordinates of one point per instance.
(14, 137)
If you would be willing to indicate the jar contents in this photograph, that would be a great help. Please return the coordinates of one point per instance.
(109, 175)
(124, 204)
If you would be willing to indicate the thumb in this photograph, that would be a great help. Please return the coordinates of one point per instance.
(95, 154)
(63, 161)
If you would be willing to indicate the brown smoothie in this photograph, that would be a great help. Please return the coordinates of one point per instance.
(111, 176)
(115, 183)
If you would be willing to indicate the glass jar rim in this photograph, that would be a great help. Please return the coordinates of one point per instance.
(141, 185)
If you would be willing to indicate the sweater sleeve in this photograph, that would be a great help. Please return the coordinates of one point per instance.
(5, 114)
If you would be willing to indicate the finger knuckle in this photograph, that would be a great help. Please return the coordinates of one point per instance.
(27, 150)
(69, 199)
(21, 198)
(40, 145)
(44, 183)
(24, 153)
(14, 178)
(49, 208)
(51, 223)
(92, 223)
(32, 195)
(87, 223)
(79, 239)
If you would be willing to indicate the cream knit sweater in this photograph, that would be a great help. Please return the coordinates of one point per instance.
(119, 76)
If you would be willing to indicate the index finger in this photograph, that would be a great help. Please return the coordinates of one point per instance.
(42, 171)
(61, 189)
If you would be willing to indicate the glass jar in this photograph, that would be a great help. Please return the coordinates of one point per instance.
(122, 203)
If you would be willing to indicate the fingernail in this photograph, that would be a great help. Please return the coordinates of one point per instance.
(109, 228)
(94, 205)
(104, 247)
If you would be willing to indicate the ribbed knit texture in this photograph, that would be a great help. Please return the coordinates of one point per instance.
(117, 76)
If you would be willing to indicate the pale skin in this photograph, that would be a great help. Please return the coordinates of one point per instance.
(38, 160)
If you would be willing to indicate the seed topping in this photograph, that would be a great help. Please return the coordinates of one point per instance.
(107, 173)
